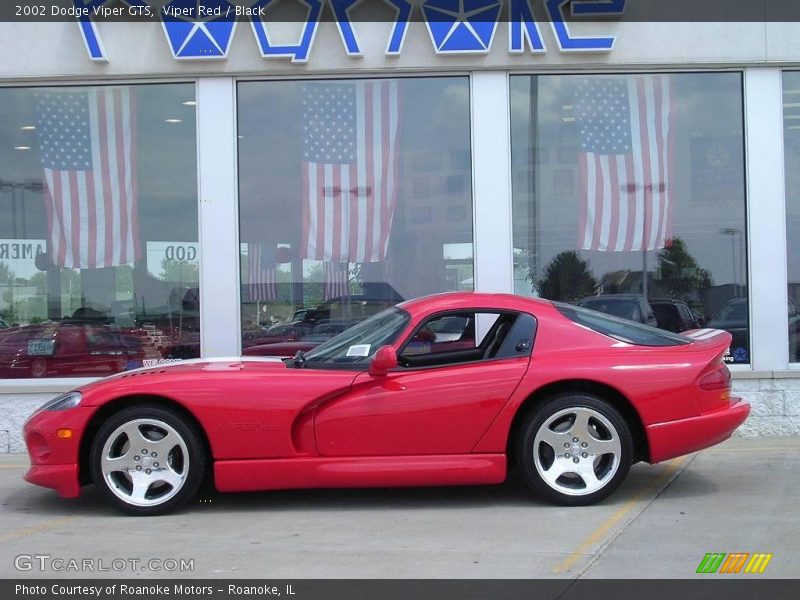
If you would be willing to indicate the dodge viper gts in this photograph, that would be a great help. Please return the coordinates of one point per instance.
(451, 389)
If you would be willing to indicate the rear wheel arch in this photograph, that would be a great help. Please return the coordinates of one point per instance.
(641, 450)
(118, 404)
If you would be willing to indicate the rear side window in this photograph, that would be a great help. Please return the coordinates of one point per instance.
(620, 329)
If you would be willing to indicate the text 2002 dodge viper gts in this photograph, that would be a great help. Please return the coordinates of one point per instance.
(443, 390)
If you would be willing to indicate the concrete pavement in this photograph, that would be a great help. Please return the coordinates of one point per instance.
(741, 496)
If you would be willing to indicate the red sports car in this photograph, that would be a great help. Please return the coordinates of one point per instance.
(571, 396)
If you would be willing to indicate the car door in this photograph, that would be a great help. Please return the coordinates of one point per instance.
(440, 399)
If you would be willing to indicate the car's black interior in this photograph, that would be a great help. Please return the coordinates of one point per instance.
(423, 349)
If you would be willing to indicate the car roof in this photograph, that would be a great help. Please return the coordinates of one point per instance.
(474, 300)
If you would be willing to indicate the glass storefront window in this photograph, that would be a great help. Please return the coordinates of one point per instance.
(791, 141)
(98, 229)
(629, 194)
(353, 195)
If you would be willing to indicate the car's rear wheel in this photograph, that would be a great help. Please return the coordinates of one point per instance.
(147, 460)
(575, 449)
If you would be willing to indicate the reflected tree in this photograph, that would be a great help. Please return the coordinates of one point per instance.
(182, 271)
(680, 274)
(567, 277)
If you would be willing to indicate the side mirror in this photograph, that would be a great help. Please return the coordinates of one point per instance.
(384, 360)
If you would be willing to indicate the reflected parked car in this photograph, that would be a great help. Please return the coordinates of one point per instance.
(355, 306)
(322, 332)
(67, 349)
(291, 332)
(674, 315)
(733, 317)
(4, 325)
(626, 306)
(298, 315)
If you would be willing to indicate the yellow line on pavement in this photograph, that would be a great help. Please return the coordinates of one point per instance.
(26, 531)
(598, 534)
(14, 466)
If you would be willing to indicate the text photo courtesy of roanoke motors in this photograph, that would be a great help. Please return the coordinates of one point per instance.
(389, 298)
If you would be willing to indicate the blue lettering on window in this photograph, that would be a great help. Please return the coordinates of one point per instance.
(461, 26)
(346, 31)
(454, 26)
(400, 28)
(522, 28)
(568, 43)
(89, 33)
(192, 38)
(297, 52)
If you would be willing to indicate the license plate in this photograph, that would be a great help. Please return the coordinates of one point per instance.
(40, 347)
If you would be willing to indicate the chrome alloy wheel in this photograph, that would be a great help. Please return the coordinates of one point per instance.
(577, 451)
(145, 462)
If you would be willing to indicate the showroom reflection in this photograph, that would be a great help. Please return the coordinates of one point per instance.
(354, 195)
(98, 229)
(629, 197)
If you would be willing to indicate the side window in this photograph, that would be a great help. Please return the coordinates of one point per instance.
(444, 333)
(458, 337)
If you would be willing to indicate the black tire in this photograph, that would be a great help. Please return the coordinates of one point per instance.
(559, 419)
(185, 463)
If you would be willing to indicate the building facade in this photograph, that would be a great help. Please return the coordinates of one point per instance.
(171, 191)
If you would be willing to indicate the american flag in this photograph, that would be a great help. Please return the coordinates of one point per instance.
(262, 270)
(88, 151)
(626, 136)
(350, 164)
(336, 280)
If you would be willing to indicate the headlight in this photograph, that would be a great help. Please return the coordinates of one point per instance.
(63, 402)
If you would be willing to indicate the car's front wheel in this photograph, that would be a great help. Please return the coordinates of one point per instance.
(147, 460)
(575, 449)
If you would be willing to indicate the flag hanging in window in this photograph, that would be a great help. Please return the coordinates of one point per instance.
(350, 166)
(336, 280)
(262, 271)
(88, 151)
(625, 129)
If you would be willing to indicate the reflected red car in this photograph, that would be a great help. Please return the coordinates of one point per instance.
(321, 332)
(449, 389)
(57, 349)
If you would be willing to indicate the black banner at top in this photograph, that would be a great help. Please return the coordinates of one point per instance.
(413, 10)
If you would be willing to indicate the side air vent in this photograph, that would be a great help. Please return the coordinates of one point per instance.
(142, 373)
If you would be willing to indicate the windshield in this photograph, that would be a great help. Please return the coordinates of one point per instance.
(358, 344)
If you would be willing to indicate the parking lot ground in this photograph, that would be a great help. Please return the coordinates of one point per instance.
(741, 496)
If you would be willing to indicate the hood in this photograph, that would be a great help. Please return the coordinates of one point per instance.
(182, 368)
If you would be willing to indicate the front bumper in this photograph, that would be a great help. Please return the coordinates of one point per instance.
(54, 459)
(62, 478)
(676, 438)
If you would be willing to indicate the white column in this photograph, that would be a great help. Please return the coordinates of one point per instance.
(220, 329)
(766, 211)
(491, 152)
